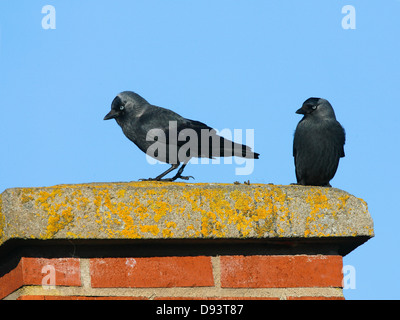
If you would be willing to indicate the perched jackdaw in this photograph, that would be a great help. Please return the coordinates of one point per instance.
(318, 143)
(168, 137)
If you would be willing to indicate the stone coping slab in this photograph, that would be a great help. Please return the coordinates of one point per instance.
(159, 210)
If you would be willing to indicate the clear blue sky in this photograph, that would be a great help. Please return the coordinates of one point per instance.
(232, 64)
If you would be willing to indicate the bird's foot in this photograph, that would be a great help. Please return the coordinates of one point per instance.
(155, 179)
(328, 185)
(168, 179)
(178, 176)
(185, 177)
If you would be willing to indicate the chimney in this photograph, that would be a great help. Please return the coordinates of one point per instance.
(154, 240)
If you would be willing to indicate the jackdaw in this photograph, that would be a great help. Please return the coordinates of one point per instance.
(318, 143)
(168, 137)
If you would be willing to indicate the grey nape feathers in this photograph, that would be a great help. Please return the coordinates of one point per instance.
(318, 143)
(168, 137)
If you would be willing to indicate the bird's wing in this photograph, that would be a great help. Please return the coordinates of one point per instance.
(212, 145)
(169, 128)
(197, 126)
(294, 149)
(295, 138)
(343, 141)
(166, 125)
(340, 138)
(182, 130)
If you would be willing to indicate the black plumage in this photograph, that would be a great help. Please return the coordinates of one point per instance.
(167, 136)
(318, 143)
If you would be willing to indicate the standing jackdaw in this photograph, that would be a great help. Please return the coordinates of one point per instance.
(318, 143)
(168, 137)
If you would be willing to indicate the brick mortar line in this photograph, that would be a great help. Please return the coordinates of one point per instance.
(205, 292)
(86, 280)
(216, 269)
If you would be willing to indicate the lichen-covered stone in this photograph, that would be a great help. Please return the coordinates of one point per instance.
(157, 210)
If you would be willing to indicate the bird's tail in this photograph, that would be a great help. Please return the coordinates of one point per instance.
(229, 149)
(241, 150)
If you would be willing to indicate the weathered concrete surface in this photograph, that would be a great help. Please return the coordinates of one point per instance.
(156, 210)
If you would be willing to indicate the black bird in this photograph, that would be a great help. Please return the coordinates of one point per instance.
(168, 137)
(318, 143)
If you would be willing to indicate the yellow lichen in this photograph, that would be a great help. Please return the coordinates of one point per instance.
(153, 229)
(121, 193)
(26, 195)
(167, 233)
(343, 201)
(160, 208)
(317, 201)
(59, 214)
(245, 211)
(319, 205)
(171, 224)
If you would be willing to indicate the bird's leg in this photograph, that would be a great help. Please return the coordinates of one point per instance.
(179, 176)
(158, 178)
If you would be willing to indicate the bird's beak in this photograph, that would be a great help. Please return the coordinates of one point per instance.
(111, 115)
(301, 111)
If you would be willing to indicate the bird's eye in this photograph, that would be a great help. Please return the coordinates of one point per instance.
(121, 108)
(314, 107)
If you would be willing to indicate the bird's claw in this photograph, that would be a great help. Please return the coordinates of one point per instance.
(177, 177)
(185, 177)
(168, 179)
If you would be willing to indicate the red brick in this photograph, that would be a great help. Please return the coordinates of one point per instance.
(11, 281)
(33, 297)
(281, 271)
(67, 271)
(29, 272)
(151, 272)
